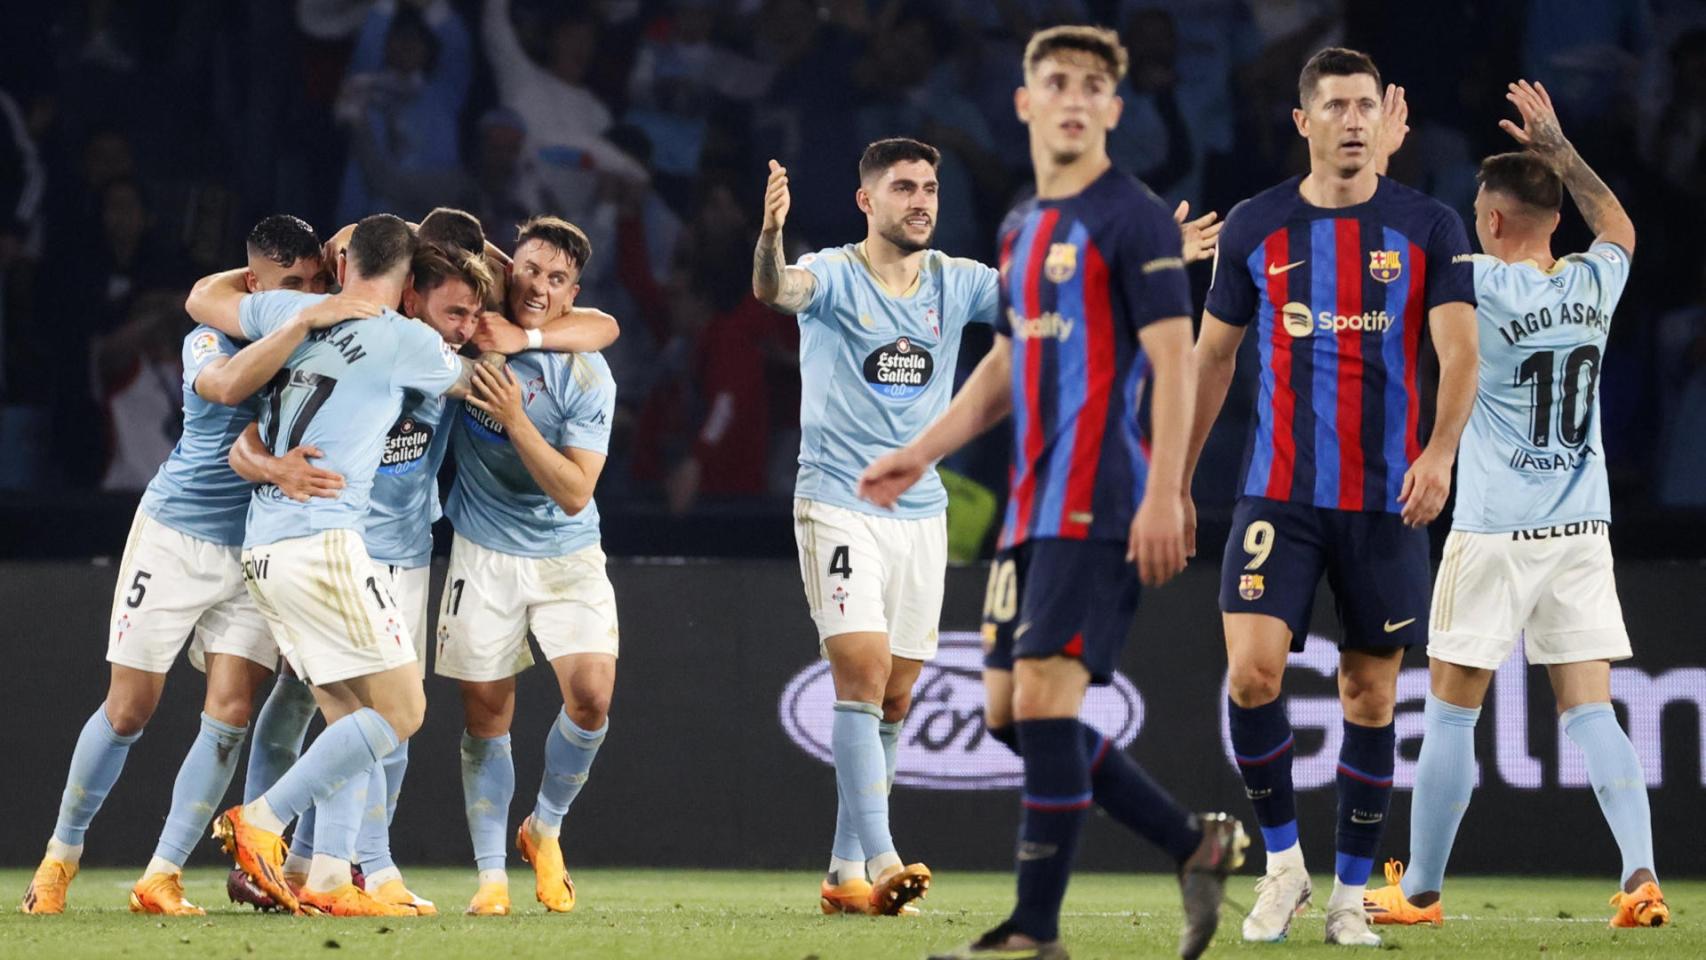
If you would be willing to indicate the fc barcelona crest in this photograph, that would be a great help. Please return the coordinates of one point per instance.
(1062, 262)
(1250, 586)
(1384, 265)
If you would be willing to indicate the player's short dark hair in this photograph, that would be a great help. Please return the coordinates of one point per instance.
(883, 154)
(1333, 62)
(434, 265)
(559, 233)
(450, 227)
(1523, 177)
(380, 244)
(283, 239)
(1099, 42)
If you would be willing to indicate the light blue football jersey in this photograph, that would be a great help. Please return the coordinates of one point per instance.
(195, 492)
(341, 390)
(1531, 454)
(404, 502)
(876, 368)
(495, 502)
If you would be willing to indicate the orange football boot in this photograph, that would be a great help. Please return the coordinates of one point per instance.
(162, 893)
(258, 853)
(1645, 907)
(1389, 905)
(46, 892)
(551, 881)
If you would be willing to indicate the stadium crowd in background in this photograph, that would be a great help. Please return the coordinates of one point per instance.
(135, 149)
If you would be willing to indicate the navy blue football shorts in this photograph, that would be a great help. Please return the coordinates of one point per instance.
(1377, 567)
(1053, 597)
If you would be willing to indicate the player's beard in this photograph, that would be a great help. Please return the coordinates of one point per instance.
(895, 233)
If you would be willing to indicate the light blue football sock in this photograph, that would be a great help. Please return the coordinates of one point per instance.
(889, 733)
(373, 839)
(396, 767)
(203, 778)
(302, 838)
(1618, 783)
(861, 784)
(488, 786)
(280, 728)
(337, 817)
(569, 751)
(846, 845)
(343, 752)
(95, 765)
(1445, 778)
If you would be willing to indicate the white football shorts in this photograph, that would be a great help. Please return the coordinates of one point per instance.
(1553, 587)
(492, 600)
(871, 574)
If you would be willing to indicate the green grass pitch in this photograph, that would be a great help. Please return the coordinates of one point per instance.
(750, 914)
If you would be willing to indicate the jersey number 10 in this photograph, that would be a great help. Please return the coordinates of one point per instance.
(1576, 380)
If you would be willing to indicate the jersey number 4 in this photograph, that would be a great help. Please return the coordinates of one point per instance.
(1576, 381)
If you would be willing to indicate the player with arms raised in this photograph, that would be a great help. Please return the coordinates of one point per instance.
(880, 326)
(1338, 271)
(1529, 553)
(1096, 306)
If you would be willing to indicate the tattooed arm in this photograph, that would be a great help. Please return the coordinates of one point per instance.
(1540, 133)
(785, 288)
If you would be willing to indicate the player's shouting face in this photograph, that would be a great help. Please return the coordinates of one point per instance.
(1068, 102)
(901, 202)
(1341, 121)
(451, 308)
(542, 284)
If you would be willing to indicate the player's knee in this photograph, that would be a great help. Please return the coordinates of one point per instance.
(862, 681)
(1253, 685)
(588, 714)
(129, 713)
(1367, 703)
(228, 708)
(896, 705)
(405, 711)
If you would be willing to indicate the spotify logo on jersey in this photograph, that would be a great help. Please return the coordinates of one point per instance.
(899, 370)
(1299, 320)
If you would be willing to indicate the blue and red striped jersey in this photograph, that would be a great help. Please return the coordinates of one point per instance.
(1079, 277)
(1339, 298)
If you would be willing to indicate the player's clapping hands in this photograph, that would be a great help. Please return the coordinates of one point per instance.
(1199, 235)
(299, 479)
(336, 309)
(776, 198)
(1426, 486)
(1539, 131)
(495, 334)
(889, 476)
(1157, 542)
(496, 391)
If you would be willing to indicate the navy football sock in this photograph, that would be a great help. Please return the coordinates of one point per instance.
(1138, 803)
(1365, 789)
(1056, 798)
(1262, 745)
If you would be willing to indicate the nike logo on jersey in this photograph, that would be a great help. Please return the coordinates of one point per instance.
(1275, 269)
(1395, 627)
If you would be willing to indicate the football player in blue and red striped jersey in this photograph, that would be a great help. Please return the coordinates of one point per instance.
(1095, 314)
(1338, 272)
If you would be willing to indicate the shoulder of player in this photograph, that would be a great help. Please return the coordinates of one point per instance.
(950, 265)
(1408, 201)
(828, 255)
(581, 372)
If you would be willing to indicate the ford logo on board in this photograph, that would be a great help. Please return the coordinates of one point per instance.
(945, 745)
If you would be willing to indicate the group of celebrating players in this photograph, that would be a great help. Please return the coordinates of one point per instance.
(290, 529)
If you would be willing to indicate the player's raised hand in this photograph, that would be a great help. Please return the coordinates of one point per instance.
(1394, 122)
(891, 475)
(493, 333)
(1200, 235)
(1426, 485)
(299, 479)
(336, 309)
(1540, 131)
(1157, 542)
(498, 393)
(776, 198)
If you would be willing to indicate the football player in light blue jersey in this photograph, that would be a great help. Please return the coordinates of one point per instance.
(1529, 553)
(309, 572)
(530, 444)
(180, 575)
(880, 327)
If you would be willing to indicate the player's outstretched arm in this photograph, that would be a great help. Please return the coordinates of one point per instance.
(567, 476)
(215, 298)
(1456, 340)
(1213, 361)
(984, 400)
(1199, 236)
(291, 473)
(1540, 133)
(581, 330)
(1157, 543)
(774, 283)
(231, 380)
